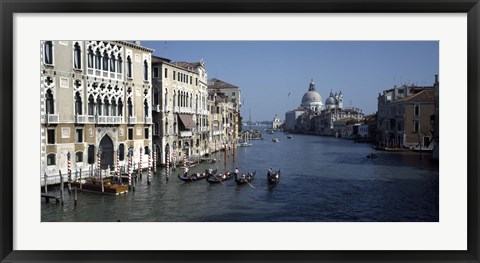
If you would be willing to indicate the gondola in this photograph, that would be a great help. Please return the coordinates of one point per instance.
(195, 176)
(215, 179)
(245, 178)
(273, 178)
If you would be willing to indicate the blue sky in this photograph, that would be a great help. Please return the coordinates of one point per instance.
(266, 71)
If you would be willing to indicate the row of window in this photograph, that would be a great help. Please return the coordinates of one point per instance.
(179, 76)
(52, 157)
(95, 60)
(51, 135)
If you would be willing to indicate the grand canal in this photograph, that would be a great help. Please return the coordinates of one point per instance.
(323, 179)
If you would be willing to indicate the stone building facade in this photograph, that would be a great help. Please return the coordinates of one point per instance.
(180, 103)
(405, 117)
(225, 105)
(95, 102)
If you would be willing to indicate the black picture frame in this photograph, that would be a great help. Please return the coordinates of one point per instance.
(10, 7)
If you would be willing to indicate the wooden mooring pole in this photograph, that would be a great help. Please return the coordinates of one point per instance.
(75, 198)
(45, 182)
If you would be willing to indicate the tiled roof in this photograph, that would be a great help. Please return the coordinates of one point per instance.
(156, 59)
(426, 95)
(220, 84)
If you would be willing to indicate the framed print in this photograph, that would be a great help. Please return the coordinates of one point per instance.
(335, 109)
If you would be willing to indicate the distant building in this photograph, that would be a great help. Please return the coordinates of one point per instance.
(315, 117)
(224, 100)
(277, 123)
(290, 123)
(404, 117)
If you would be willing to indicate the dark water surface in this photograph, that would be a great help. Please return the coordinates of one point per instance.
(322, 179)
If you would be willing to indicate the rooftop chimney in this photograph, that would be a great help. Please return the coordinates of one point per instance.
(436, 78)
(137, 42)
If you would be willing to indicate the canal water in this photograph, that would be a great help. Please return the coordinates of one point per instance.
(323, 179)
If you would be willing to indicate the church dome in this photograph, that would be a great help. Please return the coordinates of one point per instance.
(312, 99)
(330, 101)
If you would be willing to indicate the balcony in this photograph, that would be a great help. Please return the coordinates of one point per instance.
(167, 109)
(102, 120)
(175, 109)
(117, 119)
(186, 134)
(81, 119)
(215, 117)
(215, 133)
(148, 120)
(157, 108)
(91, 119)
(132, 120)
(185, 110)
(204, 129)
(51, 119)
(205, 112)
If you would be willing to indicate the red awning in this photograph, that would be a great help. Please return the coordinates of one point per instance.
(187, 121)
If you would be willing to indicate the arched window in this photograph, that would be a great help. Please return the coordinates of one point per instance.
(98, 59)
(129, 107)
(106, 112)
(145, 106)
(119, 64)
(120, 107)
(90, 57)
(91, 103)
(113, 62)
(174, 98)
(129, 67)
(48, 47)
(49, 107)
(51, 158)
(114, 107)
(78, 104)
(77, 56)
(99, 106)
(105, 60)
(145, 70)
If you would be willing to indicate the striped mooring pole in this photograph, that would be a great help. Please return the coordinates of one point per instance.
(154, 160)
(129, 169)
(117, 171)
(69, 163)
(99, 160)
(149, 178)
(167, 165)
(141, 162)
(174, 158)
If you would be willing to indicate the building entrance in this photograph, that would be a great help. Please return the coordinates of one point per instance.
(106, 145)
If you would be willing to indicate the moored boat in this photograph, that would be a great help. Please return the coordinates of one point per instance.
(275, 139)
(92, 184)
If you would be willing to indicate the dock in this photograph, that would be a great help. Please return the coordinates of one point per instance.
(51, 196)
